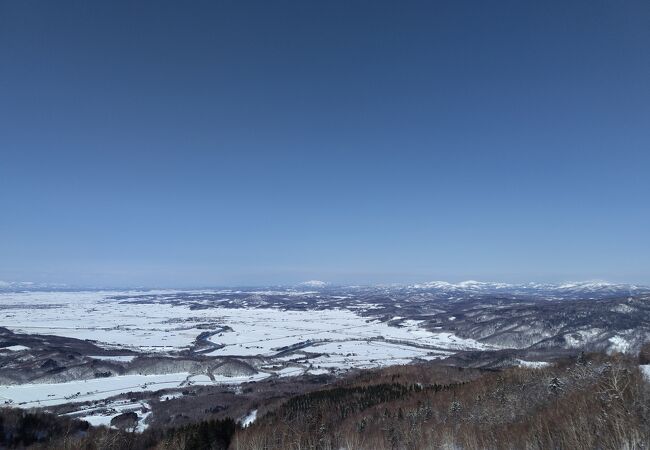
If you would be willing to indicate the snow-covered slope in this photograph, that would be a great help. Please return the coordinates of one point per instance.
(584, 289)
(313, 284)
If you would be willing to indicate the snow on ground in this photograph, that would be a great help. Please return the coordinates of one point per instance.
(170, 396)
(268, 331)
(15, 348)
(413, 331)
(93, 316)
(353, 354)
(168, 327)
(34, 395)
(317, 371)
(582, 337)
(290, 371)
(646, 370)
(123, 358)
(97, 420)
(618, 344)
(532, 364)
(317, 340)
(37, 395)
(142, 421)
(248, 419)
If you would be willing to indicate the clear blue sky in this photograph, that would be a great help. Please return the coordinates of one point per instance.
(253, 142)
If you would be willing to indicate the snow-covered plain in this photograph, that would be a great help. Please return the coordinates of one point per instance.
(532, 364)
(166, 327)
(165, 341)
(288, 342)
(268, 331)
(34, 395)
(94, 316)
(42, 394)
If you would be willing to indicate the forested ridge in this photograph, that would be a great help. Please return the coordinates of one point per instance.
(591, 401)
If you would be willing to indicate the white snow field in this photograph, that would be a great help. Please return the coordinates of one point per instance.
(90, 315)
(165, 327)
(645, 369)
(249, 419)
(41, 394)
(16, 348)
(287, 342)
(267, 331)
(532, 364)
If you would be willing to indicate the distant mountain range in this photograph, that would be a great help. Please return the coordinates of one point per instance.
(444, 289)
(586, 289)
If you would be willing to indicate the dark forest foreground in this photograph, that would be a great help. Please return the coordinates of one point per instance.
(589, 402)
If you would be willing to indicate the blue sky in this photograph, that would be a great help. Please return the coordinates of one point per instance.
(251, 142)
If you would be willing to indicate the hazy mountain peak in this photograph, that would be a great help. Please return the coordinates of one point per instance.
(313, 284)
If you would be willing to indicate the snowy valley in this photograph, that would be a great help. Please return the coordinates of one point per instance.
(98, 354)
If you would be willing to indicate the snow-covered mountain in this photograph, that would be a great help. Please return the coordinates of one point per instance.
(313, 284)
(596, 286)
(469, 285)
(585, 289)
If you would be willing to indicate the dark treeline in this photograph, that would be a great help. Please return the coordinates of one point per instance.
(21, 429)
(591, 402)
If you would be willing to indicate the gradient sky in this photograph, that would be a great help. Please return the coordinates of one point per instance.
(250, 142)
